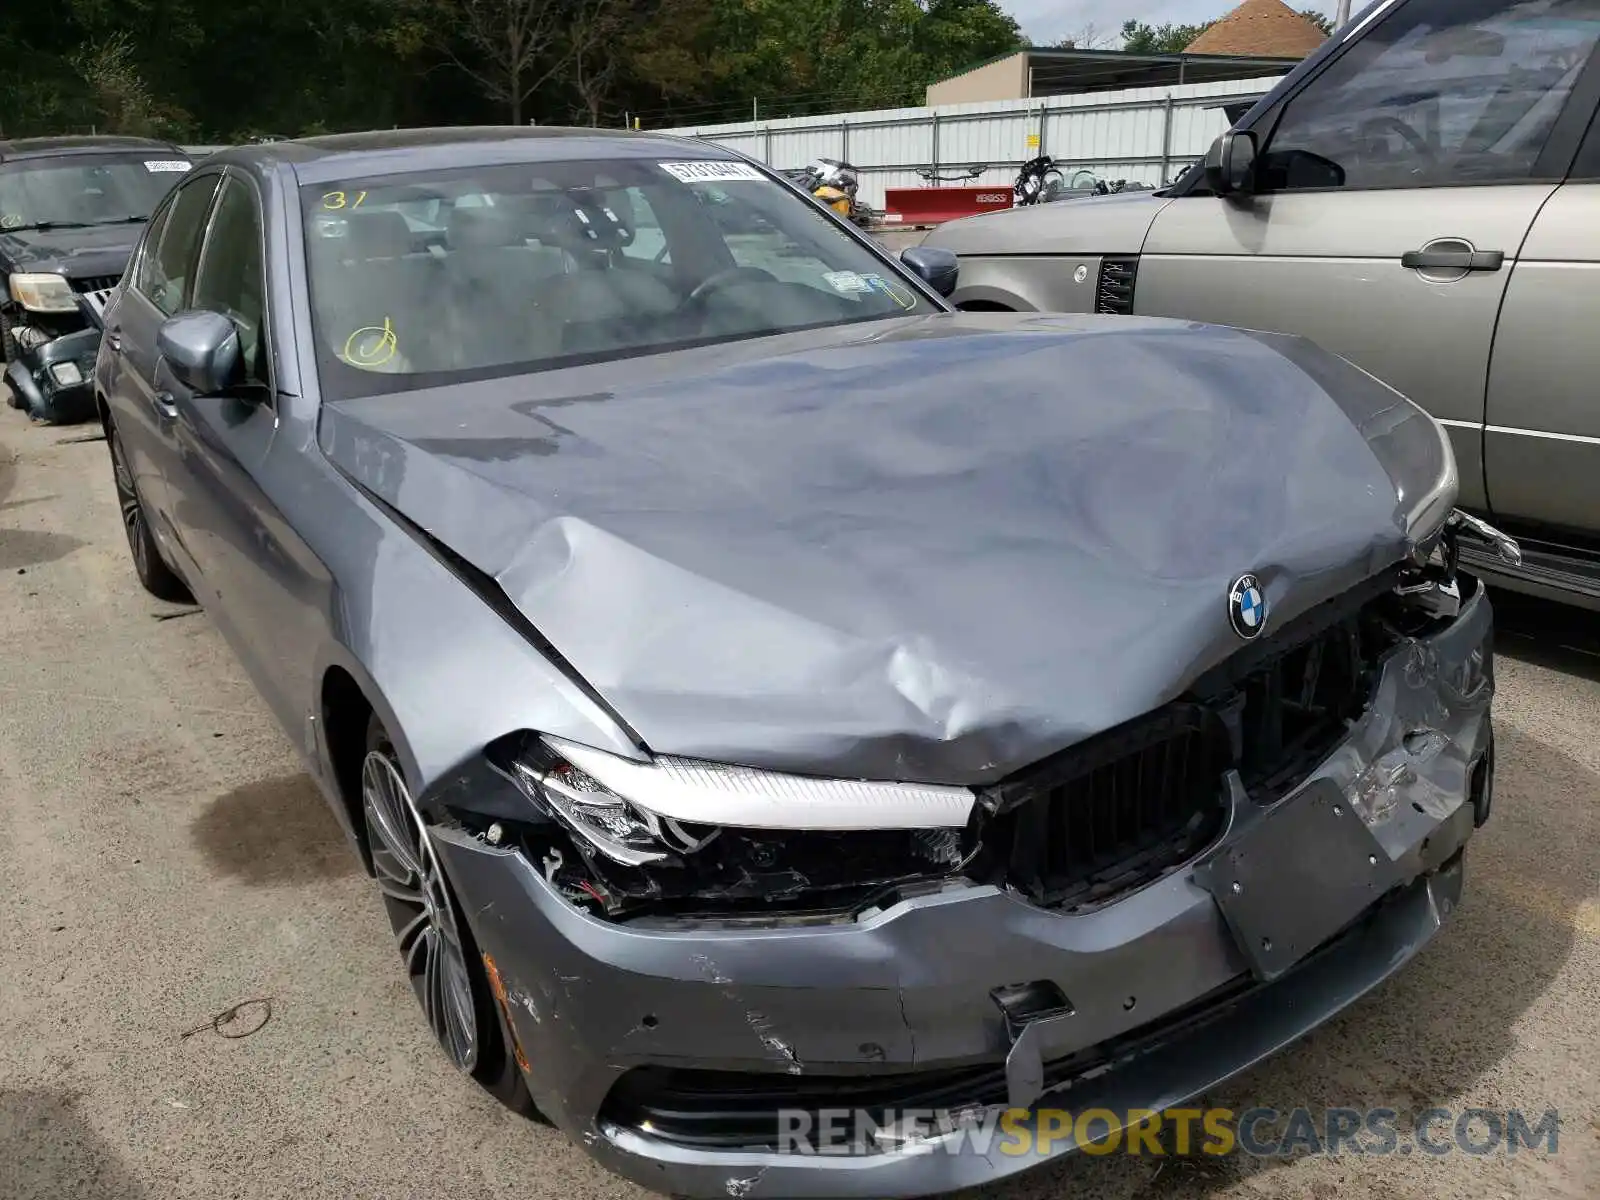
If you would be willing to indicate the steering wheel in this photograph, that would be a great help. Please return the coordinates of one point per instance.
(721, 279)
(1409, 135)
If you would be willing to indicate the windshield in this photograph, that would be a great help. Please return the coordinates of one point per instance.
(423, 280)
(97, 189)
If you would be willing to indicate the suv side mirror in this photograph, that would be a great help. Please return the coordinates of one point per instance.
(202, 351)
(936, 267)
(1231, 164)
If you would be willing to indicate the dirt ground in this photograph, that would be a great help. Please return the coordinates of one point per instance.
(163, 858)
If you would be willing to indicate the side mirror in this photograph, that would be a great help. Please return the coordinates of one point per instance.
(202, 351)
(936, 267)
(1231, 164)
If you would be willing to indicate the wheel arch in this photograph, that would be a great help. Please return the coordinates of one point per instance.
(345, 712)
(988, 298)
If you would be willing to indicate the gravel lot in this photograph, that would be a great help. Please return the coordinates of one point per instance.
(162, 858)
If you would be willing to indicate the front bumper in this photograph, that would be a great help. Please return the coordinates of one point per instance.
(36, 375)
(1169, 989)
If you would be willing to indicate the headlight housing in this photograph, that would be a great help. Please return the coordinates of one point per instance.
(43, 293)
(627, 834)
(622, 831)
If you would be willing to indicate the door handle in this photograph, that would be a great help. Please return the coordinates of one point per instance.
(114, 339)
(164, 404)
(1453, 260)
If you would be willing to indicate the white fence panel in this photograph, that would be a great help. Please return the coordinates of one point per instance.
(1149, 135)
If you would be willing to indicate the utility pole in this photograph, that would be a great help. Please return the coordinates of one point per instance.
(1342, 15)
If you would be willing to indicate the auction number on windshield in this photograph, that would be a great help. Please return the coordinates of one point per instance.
(334, 201)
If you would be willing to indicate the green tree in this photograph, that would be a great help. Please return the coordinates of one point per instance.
(1140, 38)
(1320, 19)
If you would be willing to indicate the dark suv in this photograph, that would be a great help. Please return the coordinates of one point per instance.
(71, 209)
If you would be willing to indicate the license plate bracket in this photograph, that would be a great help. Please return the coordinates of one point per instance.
(1296, 877)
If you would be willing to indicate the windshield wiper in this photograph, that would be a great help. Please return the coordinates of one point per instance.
(43, 226)
(134, 219)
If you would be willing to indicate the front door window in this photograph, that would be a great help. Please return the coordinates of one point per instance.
(1439, 92)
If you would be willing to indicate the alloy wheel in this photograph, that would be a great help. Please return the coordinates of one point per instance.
(132, 511)
(421, 910)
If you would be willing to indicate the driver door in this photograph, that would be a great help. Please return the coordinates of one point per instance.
(1442, 128)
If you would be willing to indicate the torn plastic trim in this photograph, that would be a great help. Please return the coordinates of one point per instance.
(727, 795)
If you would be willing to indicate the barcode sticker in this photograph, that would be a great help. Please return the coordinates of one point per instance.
(710, 171)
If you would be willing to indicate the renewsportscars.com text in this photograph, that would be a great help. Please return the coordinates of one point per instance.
(1176, 1132)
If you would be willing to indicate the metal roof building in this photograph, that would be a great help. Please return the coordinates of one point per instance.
(1031, 74)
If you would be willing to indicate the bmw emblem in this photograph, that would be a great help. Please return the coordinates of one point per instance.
(1247, 607)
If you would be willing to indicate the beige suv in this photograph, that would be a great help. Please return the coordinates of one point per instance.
(1421, 196)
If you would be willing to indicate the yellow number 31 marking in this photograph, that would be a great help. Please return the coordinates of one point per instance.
(334, 201)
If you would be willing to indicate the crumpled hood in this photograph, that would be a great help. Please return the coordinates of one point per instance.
(97, 250)
(934, 549)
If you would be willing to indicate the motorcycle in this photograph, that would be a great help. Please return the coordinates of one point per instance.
(1041, 181)
(834, 185)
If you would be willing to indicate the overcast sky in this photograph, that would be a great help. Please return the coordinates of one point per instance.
(1047, 21)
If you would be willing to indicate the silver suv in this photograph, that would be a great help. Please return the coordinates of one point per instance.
(1422, 196)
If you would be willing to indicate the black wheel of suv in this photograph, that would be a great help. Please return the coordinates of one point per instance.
(7, 353)
(160, 580)
(441, 959)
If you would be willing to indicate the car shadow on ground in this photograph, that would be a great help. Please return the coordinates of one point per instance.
(1427, 1036)
(1546, 634)
(273, 832)
(48, 1151)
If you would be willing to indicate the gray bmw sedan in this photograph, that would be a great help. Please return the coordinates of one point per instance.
(806, 739)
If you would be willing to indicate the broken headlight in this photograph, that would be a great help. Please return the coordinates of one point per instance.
(702, 837)
(616, 827)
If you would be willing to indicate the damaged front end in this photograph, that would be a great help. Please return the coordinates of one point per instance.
(54, 337)
(698, 960)
(693, 841)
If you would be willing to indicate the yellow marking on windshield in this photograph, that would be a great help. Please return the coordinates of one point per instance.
(371, 345)
(901, 296)
(334, 201)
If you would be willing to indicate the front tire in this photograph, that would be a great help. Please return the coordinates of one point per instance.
(440, 956)
(160, 580)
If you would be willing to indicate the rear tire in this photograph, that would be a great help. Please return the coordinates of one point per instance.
(441, 959)
(160, 580)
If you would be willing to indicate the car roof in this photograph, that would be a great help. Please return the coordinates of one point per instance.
(397, 151)
(51, 147)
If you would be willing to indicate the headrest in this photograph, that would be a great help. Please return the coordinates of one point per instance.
(481, 228)
(380, 234)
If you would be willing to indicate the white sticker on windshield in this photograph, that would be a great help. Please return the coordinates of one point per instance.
(163, 165)
(847, 282)
(710, 171)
